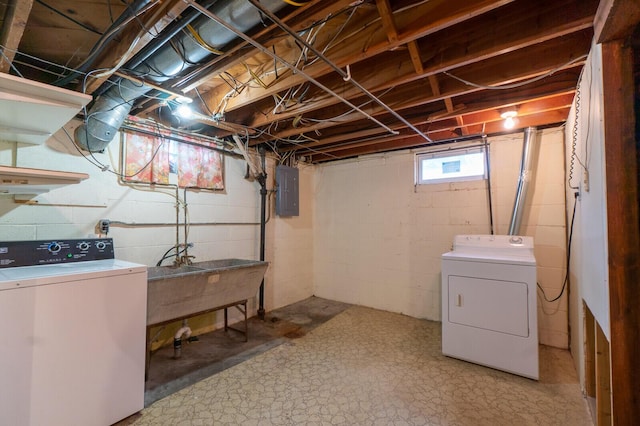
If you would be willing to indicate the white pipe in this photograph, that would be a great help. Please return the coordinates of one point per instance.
(184, 331)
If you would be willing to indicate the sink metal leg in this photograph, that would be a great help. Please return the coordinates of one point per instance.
(147, 355)
(242, 309)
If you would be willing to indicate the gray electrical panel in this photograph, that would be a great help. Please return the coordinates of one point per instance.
(287, 179)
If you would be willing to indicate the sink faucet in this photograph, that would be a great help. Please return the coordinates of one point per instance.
(184, 260)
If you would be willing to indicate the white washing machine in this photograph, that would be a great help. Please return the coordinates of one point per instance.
(489, 306)
(73, 333)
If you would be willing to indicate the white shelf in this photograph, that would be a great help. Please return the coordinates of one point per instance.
(30, 112)
(21, 180)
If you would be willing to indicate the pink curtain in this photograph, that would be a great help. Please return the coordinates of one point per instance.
(195, 166)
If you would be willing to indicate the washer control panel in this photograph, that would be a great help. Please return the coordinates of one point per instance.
(49, 252)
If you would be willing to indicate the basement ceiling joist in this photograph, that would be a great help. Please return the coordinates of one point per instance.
(447, 67)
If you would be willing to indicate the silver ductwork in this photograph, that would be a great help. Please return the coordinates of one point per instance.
(525, 177)
(111, 108)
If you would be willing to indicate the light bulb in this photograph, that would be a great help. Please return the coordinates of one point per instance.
(184, 111)
(509, 123)
(509, 118)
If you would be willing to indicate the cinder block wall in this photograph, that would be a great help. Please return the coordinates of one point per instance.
(74, 211)
(378, 238)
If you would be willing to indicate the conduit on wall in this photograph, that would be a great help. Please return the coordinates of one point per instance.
(487, 157)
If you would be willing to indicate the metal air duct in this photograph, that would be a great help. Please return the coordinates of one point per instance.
(181, 52)
(523, 180)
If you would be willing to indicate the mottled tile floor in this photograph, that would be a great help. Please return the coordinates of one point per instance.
(370, 367)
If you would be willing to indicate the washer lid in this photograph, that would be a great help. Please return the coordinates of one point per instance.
(512, 249)
(29, 276)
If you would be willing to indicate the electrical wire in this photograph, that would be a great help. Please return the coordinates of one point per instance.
(203, 102)
(295, 3)
(104, 167)
(105, 38)
(10, 63)
(110, 11)
(196, 36)
(26, 55)
(335, 36)
(566, 276)
(137, 18)
(166, 254)
(124, 58)
(519, 84)
(75, 21)
(574, 133)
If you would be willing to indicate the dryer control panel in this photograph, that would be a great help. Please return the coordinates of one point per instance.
(49, 252)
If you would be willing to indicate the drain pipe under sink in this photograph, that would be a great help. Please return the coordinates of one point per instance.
(185, 331)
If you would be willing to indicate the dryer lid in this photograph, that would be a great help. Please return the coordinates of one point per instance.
(497, 248)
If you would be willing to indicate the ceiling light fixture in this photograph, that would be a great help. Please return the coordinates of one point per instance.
(509, 118)
(184, 111)
(184, 100)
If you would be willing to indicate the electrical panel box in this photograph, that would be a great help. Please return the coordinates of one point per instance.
(287, 180)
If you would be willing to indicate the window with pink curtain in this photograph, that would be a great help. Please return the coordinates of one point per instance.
(150, 159)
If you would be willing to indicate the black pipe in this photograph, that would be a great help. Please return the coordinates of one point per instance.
(150, 48)
(262, 179)
(488, 163)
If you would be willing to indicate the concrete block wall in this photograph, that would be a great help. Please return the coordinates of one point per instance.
(378, 238)
(74, 211)
(290, 245)
(366, 234)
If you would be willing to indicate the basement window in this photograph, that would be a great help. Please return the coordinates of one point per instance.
(452, 165)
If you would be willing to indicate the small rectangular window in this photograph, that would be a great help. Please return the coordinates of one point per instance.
(451, 165)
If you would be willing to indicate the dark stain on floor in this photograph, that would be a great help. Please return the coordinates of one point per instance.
(216, 351)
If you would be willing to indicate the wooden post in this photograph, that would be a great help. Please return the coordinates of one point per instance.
(623, 233)
(589, 352)
(603, 378)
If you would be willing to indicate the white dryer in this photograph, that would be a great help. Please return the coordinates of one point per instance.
(489, 307)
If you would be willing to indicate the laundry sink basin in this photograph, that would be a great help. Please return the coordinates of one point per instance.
(175, 293)
(156, 272)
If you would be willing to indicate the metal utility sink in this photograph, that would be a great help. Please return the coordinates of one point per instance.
(179, 292)
(158, 272)
(175, 293)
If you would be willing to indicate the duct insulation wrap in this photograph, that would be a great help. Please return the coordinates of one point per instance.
(523, 180)
(111, 108)
(107, 115)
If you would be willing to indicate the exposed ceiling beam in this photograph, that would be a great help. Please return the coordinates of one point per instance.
(414, 52)
(523, 64)
(386, 14)
(478, 118)
(411, 142)
(357, 48)
(299, 19)
(616, 19)
(14, 23)
(561, 85)
(392, 69)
